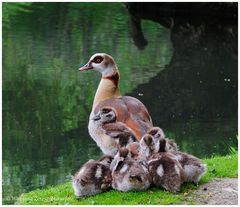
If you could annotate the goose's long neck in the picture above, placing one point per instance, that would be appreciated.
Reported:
(107, 88)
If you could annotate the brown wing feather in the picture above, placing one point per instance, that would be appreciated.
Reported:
(131, 112)
(139, 119)
(136, 107)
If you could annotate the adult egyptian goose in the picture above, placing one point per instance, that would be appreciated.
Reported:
(129, 111)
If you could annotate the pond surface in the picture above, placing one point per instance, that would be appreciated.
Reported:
(46, 101)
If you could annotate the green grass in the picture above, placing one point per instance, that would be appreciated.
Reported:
(226, 166)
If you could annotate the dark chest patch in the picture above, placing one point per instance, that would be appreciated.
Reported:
(114, 78)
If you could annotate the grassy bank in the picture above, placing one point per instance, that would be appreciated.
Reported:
(226, 166)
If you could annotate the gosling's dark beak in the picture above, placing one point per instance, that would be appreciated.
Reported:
(88, 66)
(96, 117)
(136, 177)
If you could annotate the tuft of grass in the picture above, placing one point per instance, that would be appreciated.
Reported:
(63, 194)
(220, 167)
(226, 166)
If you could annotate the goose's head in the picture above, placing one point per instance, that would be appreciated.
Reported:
(101, 62)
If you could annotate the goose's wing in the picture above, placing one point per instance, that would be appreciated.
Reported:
(139, 119)
(129, 111)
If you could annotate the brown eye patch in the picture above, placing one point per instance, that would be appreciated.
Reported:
(97, 59)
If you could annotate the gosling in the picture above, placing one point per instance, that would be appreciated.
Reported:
(129, 174)
(166, 171)
(162, 144)
(105, 119)
(148, 146)
(93, 177)
(193, 168)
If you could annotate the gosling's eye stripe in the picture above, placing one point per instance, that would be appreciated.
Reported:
(97, 59)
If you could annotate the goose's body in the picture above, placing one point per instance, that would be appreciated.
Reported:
(132, 117)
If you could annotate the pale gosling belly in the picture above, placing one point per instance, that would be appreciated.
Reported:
(108, 145)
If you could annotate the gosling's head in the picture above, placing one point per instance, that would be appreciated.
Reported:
(148, 145)
(156, 132)
(167, 145)
(105, 115)
(171, 146)
(129, 174)
(106, 160)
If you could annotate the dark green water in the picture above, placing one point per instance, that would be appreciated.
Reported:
(46, 101)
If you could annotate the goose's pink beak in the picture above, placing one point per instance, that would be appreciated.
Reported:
(88, 66)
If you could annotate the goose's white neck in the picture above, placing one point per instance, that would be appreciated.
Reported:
(107, 88)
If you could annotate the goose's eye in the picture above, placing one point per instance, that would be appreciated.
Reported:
(98, 59)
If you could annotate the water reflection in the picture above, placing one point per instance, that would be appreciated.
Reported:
(197, 91)
(46, 102)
